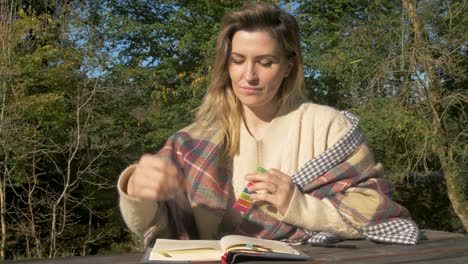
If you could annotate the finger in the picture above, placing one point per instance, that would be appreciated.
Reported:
(259, 186)
(280, 176)
(154, 162)
(159, 192)
(157, 187)
(147, 160)
(172, 189)
(147, 193)
(146, 179)
(156, 175)
(260, 177)
(283, 181)
(167, 168)
(266, 197)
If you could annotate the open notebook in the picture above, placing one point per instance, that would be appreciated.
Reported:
(237, 247)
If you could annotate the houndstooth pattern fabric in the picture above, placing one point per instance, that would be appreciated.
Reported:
(323, 238)
(315, 238)
(401, 231)
(337, 153)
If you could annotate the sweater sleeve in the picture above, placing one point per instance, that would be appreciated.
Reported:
(319, 215)
(140, 214)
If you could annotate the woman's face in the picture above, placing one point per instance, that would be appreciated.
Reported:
(257, 67)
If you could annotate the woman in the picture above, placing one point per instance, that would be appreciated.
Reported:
(322, 184)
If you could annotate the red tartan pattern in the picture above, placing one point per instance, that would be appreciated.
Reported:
(260, 224)
(198, 159)
(208, 186)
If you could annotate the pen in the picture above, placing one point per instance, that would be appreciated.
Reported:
(335, 246)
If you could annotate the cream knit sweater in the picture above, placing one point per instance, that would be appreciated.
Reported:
(293, 138)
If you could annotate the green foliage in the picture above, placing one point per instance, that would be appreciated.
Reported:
(165, 51)
(343, 41)
(48, 147)
(125, 75)
(395, 134)
(399, 139)
(427, 203)
(408, 90)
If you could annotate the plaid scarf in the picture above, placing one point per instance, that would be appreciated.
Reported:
(345, 174)
(346, 171)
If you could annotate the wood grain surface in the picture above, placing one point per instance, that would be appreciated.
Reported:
(439, 247)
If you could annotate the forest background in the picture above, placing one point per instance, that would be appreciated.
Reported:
(87, 86)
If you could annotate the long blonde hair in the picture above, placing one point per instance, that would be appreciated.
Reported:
(220, 108)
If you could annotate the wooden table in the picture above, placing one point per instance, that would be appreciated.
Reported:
(440, 247)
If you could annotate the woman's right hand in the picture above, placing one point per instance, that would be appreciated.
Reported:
(155, 179)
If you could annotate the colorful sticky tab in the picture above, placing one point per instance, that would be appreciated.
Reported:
(244, 202)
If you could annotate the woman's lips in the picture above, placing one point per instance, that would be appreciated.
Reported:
(250, 89)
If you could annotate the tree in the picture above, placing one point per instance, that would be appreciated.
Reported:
(7, 32)
(436, 58)
(162, 53)
(408, 58)
(87, 86)
(51, 159)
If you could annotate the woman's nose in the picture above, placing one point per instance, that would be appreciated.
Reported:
(250, 72)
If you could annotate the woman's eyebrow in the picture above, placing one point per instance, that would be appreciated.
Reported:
(237, 54)
(269, 56)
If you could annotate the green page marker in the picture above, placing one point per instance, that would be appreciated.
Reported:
(261, 170)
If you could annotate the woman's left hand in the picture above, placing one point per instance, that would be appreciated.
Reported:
(277, 188)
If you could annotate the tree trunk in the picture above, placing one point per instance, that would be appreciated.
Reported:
(53, 233)
(3, 214)
(3, 181)
(444, 152)
(31, 205)
(454, 190)
(7, 16)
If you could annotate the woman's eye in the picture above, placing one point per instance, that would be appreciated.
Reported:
(266, 63)
(236, 61)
